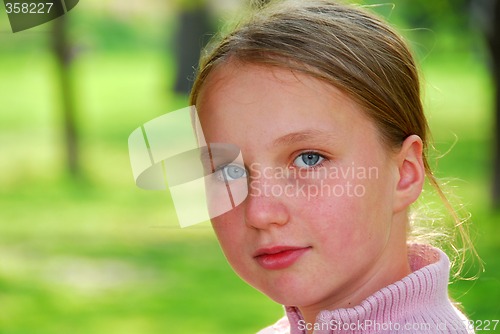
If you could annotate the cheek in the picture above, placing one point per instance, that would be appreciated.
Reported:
(339, 223)
(373, 215)
(360, 215)
(229, 229)
(225, 228)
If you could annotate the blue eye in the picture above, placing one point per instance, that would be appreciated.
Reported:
(231, 173)
(308, 160)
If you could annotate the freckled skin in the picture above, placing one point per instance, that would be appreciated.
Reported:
(357, 243)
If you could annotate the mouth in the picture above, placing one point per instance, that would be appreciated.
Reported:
(279, 257)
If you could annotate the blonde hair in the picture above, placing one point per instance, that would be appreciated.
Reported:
(347, 47)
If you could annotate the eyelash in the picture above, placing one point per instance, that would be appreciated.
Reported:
(324, 159)
(220, 170)
(223, 175)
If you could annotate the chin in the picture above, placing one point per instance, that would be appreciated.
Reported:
(289, 295)
(293, 299)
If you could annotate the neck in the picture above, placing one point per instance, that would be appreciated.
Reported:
(389, 267)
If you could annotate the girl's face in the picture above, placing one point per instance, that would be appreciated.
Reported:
(320, 223)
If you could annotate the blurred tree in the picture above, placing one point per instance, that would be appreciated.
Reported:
(192, 34)
(62, 51)
(194, 30)
(486, 14)
(433, 14)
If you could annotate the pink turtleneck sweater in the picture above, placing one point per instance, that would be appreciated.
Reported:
(418, 303)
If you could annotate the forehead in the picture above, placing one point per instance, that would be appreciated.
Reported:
(234, 76)
(257, 101)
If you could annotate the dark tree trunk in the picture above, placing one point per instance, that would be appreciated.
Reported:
(486, 16)
(192, 34)
(62, 51)
(494, 44)
(496, 144)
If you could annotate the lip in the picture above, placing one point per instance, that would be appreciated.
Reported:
(279, 257)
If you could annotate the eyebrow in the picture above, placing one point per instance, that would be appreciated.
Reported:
(302, 136)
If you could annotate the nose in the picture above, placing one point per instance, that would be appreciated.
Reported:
(264, 208)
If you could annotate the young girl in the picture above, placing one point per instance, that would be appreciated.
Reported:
(323, 100)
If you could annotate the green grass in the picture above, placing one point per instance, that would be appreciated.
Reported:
(100, 256)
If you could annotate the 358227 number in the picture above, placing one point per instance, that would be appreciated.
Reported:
(29, 8)
(482, 325)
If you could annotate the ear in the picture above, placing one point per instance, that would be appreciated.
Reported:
(411, 173)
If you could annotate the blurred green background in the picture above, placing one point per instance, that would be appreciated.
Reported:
(94, 254)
